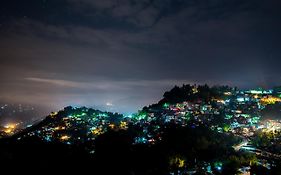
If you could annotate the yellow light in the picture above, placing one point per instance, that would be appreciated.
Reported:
(270, 100)
(123, 125)
(221, 101)
(53, 114)
(181, 163)
(177, 161)
(238, 111)
(194, 90)
(10, 126)
(272, 126)
(56, 128)
(8, 131)
(97, 131)
(111, 126)
(227, 93)
(59, 128)
(65, 137)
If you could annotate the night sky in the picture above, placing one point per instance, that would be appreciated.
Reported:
(120, 55)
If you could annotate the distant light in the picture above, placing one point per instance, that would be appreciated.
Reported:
(108, 104)
(166, 105)
(65, 137)
(111, 126)
(123, 125)
(8, 131)
(240, 99)
(256, 91)
(10, 126)
(227, 93)
(218, 166)
(97, 131)
(270, 100)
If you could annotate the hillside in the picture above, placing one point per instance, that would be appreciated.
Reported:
(202, 129)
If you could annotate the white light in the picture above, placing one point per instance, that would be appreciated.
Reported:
(108, 104)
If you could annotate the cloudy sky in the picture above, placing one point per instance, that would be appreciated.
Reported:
(120, 55)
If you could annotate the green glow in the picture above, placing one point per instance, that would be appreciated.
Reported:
(166, 105)
(187, 116)
(140, 115)
(226, 127)
(228, 117)
(79, 115)
(218, 165)
(255, 119)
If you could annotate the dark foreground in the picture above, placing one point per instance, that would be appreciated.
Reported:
(115, 154)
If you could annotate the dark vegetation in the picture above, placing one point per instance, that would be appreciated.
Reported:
(116, 153)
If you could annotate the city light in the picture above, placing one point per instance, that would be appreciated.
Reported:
(10, 128)
(65, 137)
(238, 114)
(270, 100)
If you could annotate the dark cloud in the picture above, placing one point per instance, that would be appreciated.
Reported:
(128, 52)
